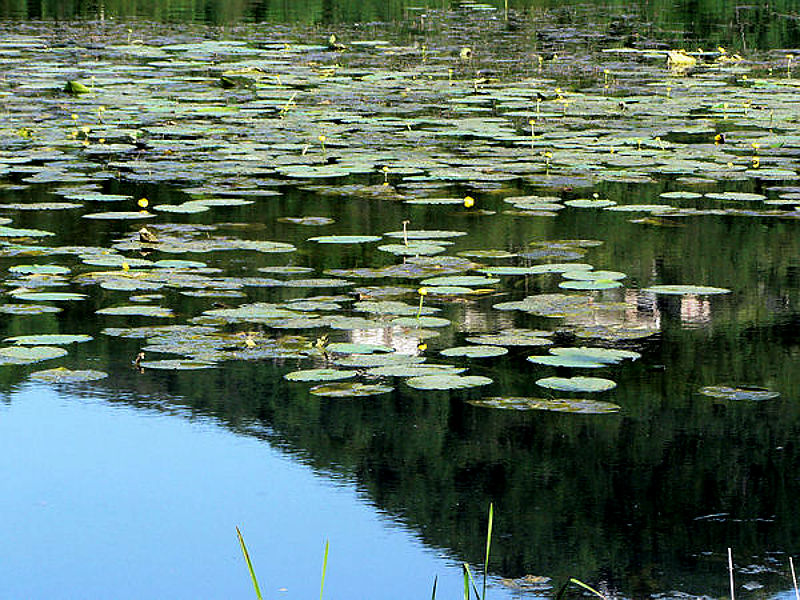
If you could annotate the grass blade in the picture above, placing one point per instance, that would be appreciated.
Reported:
(730, 570)
(435, 581)
(471, 580)
(488, 546)
(586, 586)
(249, 565)
(324, 569)
(794, 579)
(465, 568)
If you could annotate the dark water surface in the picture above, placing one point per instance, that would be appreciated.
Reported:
(131, 486)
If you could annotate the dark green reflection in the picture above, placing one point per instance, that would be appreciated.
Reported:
(772, 24)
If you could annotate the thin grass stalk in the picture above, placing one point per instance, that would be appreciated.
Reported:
(465, 568)
(324, 569)
(435, 581)
(586, 586)
(488, 546)
(730, 570)
(472, 582)
(249, 565)
(794, 580)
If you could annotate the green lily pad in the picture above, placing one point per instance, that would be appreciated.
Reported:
(482, 351)
(28, 309)
(48, 296)
(577, 384)
(12, 232)
(378, 360)
(576, 406)
(460, 280)
(177, 365)
(447, 382)
(345, 239)
(307, 221)
(120, 215)
(24, 355)
(600, 284)
(726, 392)
(48, 339)
(137, 311)
(350, 390)
(513, 337)
(686, 289)
(320, 375)
(424, 234)
(586, 275)
(39, 269)
(64, 375)
(350, 348)
(414, 370)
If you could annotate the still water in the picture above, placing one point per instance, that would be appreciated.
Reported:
(132, 485)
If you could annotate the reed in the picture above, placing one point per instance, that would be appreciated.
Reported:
(250, 564)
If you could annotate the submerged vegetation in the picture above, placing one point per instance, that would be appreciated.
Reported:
(432, 233)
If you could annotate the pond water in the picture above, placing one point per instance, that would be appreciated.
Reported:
(231, 255)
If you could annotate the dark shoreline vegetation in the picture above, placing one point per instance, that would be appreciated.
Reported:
(632, 221)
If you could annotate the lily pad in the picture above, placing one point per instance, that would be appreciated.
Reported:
(576, 406)
(345, 239)
(726, 392)
(48, 296)
(64, 375)
(482, 351)
(23, 355)
(350, 390)
(699, 290)
(320, 375)
(177, 365)
(447, 382)
(137, 311)
(577, 384)
(48, 339)
(414, 370)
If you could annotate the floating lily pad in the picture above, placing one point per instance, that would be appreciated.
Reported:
(28, 309)
(414, 370)
(345, 239)
(686, 289)
(513, 337)
(177, 365)
(137, 311)
(378, 360)
(587, 275)
(64, 375)
(120, 215)
(577, 384)
(460, 280)
(12, 232)
(577, 406)
(447, 382)
(590, 285)
(350, 390)
(725, 392)
(23, 355)
(48, 339)
(350, 348)
(482, 351)
(48, 296)
(320, 375)
(307, 221)
(39, 269)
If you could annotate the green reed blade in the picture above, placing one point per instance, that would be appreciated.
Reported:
(324, 569)
(586, 586)
(488, 546)
(249, 565)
